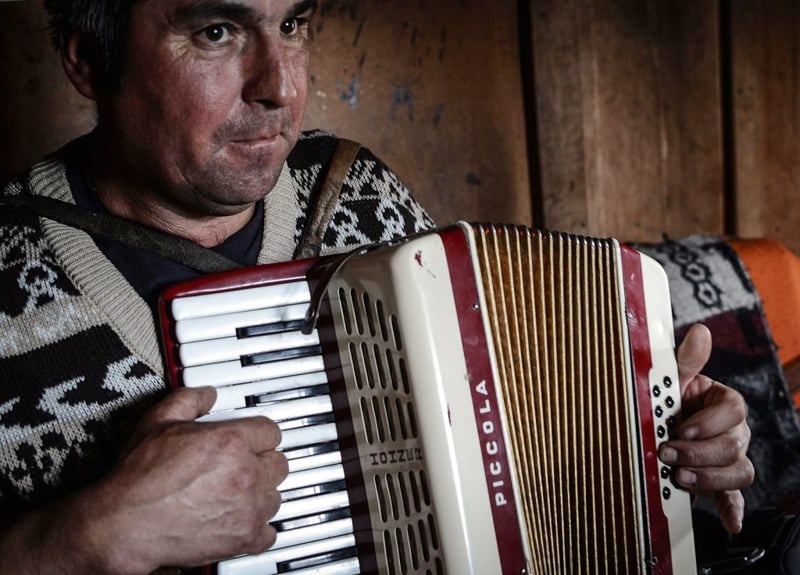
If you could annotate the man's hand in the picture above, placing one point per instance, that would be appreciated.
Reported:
(183, 493)
(709, 447)
(188, 493)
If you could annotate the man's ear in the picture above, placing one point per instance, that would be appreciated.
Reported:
(81, 60)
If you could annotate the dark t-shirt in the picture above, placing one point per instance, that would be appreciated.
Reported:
(147, 272)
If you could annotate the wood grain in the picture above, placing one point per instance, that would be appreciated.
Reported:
(766, 100)
(434, 89)
(629, 116)
(39, 108)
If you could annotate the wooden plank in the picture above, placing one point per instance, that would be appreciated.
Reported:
(434, 89)
(560, 100)
(628, 108)
(39, 108)
(765, 77)
(688, 74)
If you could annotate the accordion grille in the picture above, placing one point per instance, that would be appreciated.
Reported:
(556, 314)
(395, 480)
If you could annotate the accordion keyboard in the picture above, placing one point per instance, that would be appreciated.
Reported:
(464, 368)
(248, 344)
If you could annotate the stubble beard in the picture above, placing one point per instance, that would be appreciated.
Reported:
(234, 179)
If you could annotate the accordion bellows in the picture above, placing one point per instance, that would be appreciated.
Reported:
(475, 400)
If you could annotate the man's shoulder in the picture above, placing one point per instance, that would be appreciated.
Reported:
(41, 177)
(46, 177)
(12, 213)
(313, 148)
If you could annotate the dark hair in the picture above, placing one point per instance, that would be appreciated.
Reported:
(105, 20)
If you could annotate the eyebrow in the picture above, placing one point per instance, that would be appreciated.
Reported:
(236, 11)
(302, 7)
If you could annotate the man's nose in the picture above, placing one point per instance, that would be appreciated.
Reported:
(270, 72)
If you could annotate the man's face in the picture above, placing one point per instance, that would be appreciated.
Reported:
(211, 103)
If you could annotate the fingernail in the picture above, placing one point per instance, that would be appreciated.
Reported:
(686, 477)
(668, 455)
(689, 433)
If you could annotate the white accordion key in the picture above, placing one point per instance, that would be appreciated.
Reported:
(233, 348)
(307, 477)
(277, 411)
(304, 535)
(292, 438)
(267, 563)
(233, 372)
(235, 301)
(344, 567)
(312, 505)
(227, 325)
(235, 396)
(313, 461)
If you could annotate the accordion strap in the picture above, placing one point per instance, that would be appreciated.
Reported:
(324, 203)
(185, 251)
(134, 234)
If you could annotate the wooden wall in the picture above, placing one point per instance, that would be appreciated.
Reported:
(628, 107)
(629, 118)
(765, 102)
(435, 89)
(39, 109)
(668, 117)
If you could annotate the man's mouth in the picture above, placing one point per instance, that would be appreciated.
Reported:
(255, 138)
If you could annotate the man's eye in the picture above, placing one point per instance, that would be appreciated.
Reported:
(292, 26)
(216, 33)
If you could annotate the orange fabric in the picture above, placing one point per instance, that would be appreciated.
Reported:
(792, 373)
(775, 271)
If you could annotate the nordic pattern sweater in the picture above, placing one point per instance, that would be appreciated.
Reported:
(79, 350)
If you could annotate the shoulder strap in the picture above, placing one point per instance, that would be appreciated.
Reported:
(324, 203)
(165, 245)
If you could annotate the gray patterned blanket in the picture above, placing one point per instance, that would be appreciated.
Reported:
(709, 284)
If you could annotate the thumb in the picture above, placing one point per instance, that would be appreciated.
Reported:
(182, 404)
(693, 353)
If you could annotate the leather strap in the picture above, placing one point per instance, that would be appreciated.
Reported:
(324, 204)
(165, 245)
(185, 251)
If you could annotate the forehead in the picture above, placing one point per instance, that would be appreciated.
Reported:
(173, 10)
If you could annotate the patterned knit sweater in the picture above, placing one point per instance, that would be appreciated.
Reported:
(79, 351)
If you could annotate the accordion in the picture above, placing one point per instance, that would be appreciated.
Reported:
(478, 399)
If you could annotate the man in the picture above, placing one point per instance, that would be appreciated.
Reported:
(199, 106)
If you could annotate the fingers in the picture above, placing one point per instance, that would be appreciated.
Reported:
(255, 500)
(261, 536)
(216, 481)
(709, 449)
(702, 480)
(730, 506)
(693, 352)
(187, 404)
(713, 462)
(264, 434)
(718, 450)
(714, 411)
(182, 404)
(277, 468)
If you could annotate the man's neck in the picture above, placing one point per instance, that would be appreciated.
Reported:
(134, 200)
(207, 231)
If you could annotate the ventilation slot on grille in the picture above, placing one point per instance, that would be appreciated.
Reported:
(379, 369)
(385, 425)
(410, 538)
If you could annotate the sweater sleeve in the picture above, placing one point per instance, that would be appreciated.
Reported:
(374, 204)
